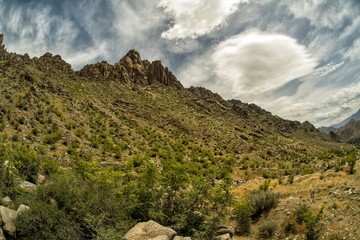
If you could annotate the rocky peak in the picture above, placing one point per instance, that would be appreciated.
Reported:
(131, 69)
(55, 62)
(132, 57)
(308, 127)
(157, 72)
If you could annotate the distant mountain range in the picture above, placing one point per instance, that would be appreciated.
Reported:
(355, 116)
(348, 130)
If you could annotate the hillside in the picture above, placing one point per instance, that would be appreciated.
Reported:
(355, 116)
(350, 132)
(147, 146)
(104, 108)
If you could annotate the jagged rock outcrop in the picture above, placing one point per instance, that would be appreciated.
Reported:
(308, 127)
(131, 69)
(50, 62)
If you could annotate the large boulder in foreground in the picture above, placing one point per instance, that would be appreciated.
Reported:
(8, 218)
(150, 231)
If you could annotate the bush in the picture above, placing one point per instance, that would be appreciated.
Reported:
(242, 214)
(44, 221)
(351, 161)
(26, 161)
(262, 202)
(267, 229)
(303, 214)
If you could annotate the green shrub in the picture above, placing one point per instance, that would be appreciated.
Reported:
(242, 213)
(303, 214)
(52, 138)
(26, 161)
(351, 161)
(44, 221)
(267, 229)
(262, 202)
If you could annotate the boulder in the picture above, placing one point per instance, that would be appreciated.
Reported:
(27, 186)
(7, 201)
(40, 179)
(149, 230)
(8, 217)
(22, 208)
(2, 237)
(224, 230)
(223, 237)
(182, 238)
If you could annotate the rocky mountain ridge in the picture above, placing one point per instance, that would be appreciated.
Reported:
(135, 145)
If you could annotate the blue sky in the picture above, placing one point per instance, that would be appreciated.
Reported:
(297, 59)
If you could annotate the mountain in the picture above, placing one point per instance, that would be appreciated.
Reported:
(350, 132)
(126, 142)
(103, 108)
(355, 116)
(327, 130)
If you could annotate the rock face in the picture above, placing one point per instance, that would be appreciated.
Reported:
(55, 63)
(150, 231)
(350, 132)
(131, 69)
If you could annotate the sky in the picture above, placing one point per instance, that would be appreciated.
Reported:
(296, 59)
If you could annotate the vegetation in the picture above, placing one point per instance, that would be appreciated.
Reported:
(145, 151)
(251, 207)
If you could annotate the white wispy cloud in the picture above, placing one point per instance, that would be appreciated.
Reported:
(27, 23)
(193, 18)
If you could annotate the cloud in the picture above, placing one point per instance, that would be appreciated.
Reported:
(323, 13)
(194, 18)
(254, 61)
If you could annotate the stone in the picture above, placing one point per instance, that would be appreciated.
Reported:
(223, 237)
(40, 179)
(2, 237)
(224, 230)
(22, 208)
(7, 201)
(182, 238)
(149, 230)
(8, 217)
(27, 186)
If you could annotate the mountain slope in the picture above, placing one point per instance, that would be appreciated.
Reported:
(350, 132)
(127, 142)
(114, 111)
(355, 116)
